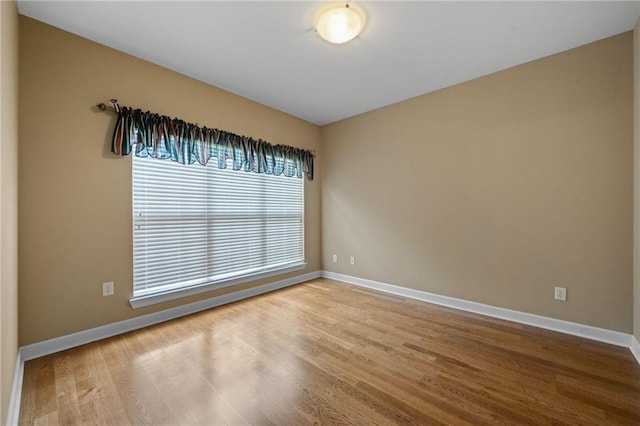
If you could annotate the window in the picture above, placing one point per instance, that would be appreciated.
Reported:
(197, 228)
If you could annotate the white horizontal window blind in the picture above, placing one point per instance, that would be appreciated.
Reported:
(196, 225)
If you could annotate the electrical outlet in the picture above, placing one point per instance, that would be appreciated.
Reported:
(352, 260)
(108, 288)
(335, 258)
(561, 294)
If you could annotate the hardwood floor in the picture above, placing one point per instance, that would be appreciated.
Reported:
(329, 353)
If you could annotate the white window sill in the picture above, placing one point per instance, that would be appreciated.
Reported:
(152, 299)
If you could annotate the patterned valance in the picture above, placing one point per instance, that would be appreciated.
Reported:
(152, 135)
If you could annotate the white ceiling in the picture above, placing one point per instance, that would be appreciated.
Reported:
(268, 52)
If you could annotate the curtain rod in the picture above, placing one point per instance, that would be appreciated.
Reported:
(114, 107)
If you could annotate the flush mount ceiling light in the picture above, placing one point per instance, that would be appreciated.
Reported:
(339, 22)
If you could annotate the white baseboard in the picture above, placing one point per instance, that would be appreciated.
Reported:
(13, 414)
(57, 344)
(581, 330)
(635, 348)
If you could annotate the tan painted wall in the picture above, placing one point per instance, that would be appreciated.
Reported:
(636, 180)
(8, 200)
(495, 190)
(75, 197)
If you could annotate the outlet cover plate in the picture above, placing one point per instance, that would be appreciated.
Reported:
(561, 294)
(108, 288)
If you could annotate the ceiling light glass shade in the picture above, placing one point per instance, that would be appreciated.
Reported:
(339, 23)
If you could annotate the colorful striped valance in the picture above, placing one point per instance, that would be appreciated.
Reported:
(159, 136)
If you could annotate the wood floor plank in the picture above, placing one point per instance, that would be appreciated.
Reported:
(65, 387)
(189, 376)
(108, 407)
(329, 353)
(42, 397)
(50, 419)
(29, 388)
(143, 403)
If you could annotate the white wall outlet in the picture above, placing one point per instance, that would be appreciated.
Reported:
(108, 288)
(352, 260)
(335, 258)
(561, 294)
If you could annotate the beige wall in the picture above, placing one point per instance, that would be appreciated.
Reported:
(509, 184)
(497, 189)
(8, 199)
(75, 197)
(636, 180)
